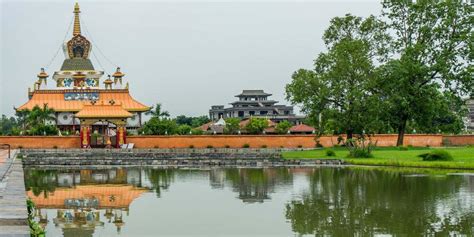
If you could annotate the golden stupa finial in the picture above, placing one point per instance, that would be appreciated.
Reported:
(77, 23)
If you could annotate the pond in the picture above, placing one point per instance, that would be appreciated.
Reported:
(322, 201)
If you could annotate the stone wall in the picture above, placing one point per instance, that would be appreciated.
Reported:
(233, 141)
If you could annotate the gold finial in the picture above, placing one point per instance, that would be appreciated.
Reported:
(42, 76)
(77, 23)
(118, 76)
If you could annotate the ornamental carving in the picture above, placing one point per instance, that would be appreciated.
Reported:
(78, 47)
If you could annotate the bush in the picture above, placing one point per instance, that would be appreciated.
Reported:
(330, 153)
(209, 146)
(318, 144)
(246, 145)
(403, 148)
(55, 147)
(359, 153)
(264, 146)
(191, 146)
(227, 146)
(300, 146)
(436, 155)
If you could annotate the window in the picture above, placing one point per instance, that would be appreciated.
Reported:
(252, 112)
(241, 113)
(263, 112)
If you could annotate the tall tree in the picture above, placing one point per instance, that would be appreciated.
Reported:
(337, 91)
(157, 112)
(432, 51)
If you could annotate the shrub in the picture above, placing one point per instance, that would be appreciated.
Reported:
(410, 146)
(209, 146)
(55, 147)
(330, 153)
(156, 147)
(20, 147)
(246, 145)
(264, 146)
(300, 146)
(403, 148)
(318, 144)
(227, 146)
(191, 146)
(436, 155)
(359, 153)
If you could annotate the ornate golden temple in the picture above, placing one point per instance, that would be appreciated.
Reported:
(102, 116)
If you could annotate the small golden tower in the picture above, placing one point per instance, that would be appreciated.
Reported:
(108, 83)
(118, 76)
(42, 76)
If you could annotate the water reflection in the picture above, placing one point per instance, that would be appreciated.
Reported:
(306, 201)
(347, 202)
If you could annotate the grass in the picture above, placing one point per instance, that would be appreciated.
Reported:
(463, 157)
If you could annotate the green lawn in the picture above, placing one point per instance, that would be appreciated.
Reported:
(463, 157)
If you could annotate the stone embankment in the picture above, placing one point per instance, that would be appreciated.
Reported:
(165, 157)
(13, 211)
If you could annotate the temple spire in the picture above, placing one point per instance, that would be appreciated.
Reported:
(77, 23)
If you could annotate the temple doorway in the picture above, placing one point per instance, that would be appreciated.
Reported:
(104, 134)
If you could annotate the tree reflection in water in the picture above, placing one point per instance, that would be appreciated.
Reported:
(255, 185)
(352, 202)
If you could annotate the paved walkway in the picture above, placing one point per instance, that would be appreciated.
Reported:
(13, 213)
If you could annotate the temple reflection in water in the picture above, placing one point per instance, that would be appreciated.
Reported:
(90, 198)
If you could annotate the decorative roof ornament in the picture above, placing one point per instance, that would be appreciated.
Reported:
(118, 76)
(78, 46)
(108, 83)
(42, 76)
(77, 22)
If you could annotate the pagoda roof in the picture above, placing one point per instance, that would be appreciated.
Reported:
(77, 64)
(56, 100)
(253, 93)
(124, 195)
(254, 102)
(302, 128)
(103, 111)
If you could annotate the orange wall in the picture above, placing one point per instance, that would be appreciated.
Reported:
(41, 141)
(460, 140)
(287, 141)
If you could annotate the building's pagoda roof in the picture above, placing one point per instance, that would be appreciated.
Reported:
(254, 102)
(252, 93)
(56, 99)
(103, 111)
(123, 195)
(302, 128)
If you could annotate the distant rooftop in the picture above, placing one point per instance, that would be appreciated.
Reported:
(253, 93)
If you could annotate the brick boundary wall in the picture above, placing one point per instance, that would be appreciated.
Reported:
(458, 140)
(235, 141)
(35, 142)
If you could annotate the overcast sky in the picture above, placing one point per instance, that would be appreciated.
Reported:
(187, 55)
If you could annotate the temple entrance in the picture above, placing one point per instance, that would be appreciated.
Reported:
(103, 126)
(104, 134)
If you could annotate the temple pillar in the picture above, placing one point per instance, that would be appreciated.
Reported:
(121, 135)
(85, 136)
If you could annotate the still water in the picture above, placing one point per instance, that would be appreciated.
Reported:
(251, 202)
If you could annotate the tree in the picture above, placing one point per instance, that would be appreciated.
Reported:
(7, 125)
(232, 126)
(41, 115)
(156, 126)
(184, 129)
(432, 51)
(338, 89)
(157, 112)
(256, 125)
(192, 121)
(283, 127)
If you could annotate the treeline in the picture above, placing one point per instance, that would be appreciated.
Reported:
(38, 121)
(409, 69)
(160, 123)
